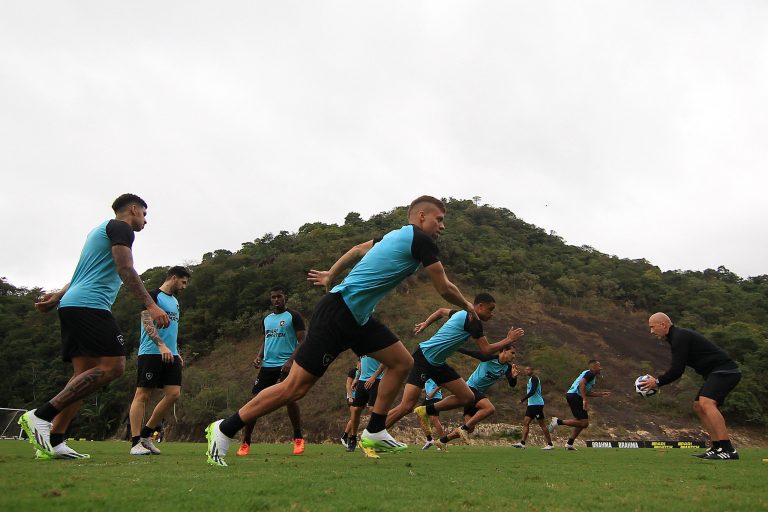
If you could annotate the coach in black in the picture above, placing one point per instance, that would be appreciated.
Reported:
(721, 374)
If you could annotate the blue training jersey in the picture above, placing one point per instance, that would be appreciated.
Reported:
(280, 337)
(429, 386)
(353, 374)
(387, 264)
(487, 374)
(96, 282)
(170, 334)
(591, 379)
(451, 335)
(368, 366)
(536, 398)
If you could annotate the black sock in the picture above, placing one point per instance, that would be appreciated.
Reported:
(352, 441)
(230, 426)
(725, 444)
(57, 439)
(297, 434)
(715, 445)
(377, 423)
(522, 443)
(570, 441)
(135, 440)
(464, 427)
(444, 439)
(429, 437)
(559, 421)
(146, 431)
(431, 410)
(550, 443)
(46, 412)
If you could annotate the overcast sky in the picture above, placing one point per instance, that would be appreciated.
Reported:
(638, 128)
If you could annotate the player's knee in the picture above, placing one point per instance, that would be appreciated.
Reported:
(491, 410)
(115, 369)
(296, 390)
(584, 423)
(402, 365)
(467, 399)
(174, 395)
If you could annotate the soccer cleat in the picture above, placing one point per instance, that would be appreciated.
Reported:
(518, 445)
(570, 447)
(39, 455)
(343, 441)
(421, 412)
(550, 447)
(368, 452)
(218, 444)
(140, 449)
(721, 454)
(463, 434)
(147, 443)
(381, 442)
(62, 451)
(552, 424)
(428, 445)
(351, 445)
(298, 446)
(704, 455)
(38, 431)
(443, 447)
(244, 449)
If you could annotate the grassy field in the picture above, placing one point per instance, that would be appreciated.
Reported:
(328, 478)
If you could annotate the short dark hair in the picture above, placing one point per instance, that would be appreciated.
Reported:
(278, 288)
(178, 271)
(484, 298)
(427, 199)
(593, 361)
(126, 200)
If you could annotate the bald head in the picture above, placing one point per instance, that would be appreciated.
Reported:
(659, 324)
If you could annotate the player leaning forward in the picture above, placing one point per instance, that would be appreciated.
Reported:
(342, 320)
(720, 372)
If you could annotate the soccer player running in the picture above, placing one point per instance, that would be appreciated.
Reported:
(577, 396)
(159, 363)
(342, 320)
(283, 334)
(535, 409)
(490, 370)
(91, 339)
(433, 394)
(350, 383)
(430, 356)
(721, 374)
(366, 390)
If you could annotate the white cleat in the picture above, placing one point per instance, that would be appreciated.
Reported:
(62, 451)
(218, 444)
(381, 441)
(519, 445)
(570, 447)
(552, 424)
(38, 431)
(140, 450)
(147, 443)
(548, 447)
(428, 445)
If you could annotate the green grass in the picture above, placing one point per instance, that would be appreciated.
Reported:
(328, 478)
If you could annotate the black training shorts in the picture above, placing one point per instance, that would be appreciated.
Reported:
(535, 411)
(152, 372)
(471, 410)
(89, 332)
(718, 385)
(577, 406)
(423, 370)
(333, 330)
(268, 376)
(365, 396)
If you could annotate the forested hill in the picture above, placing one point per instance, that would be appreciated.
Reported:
(572, 301)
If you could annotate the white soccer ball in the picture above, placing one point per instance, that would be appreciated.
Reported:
(643, 392)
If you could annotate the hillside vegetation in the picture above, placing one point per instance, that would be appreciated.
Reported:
(575, 303)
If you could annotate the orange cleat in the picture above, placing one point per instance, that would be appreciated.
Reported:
(244, 449)
(298, 446)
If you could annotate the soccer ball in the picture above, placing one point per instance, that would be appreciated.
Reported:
(643, 392)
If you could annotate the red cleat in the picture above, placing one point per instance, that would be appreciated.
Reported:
(298, 446)
(244, 449)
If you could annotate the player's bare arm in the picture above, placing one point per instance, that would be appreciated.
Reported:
(439, 313)
(123, 258)
(151, 330)
(326, 278)
(448, 290)
(50, 300)
(486, 348)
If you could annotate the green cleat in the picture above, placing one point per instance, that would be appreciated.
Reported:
(38, 432)
(380, 442)
(218, 444)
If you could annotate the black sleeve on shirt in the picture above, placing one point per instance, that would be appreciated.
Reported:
(534, 385)
(476, 354)
(298, 321)
(423, 248)
(589, 376)
(120, 233)
(351, 374)
(680, 344)
(154, 294)
(473, 327)
(510, 379)
(377, 239)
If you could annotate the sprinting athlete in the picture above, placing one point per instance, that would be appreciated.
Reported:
(577, 400)
(429, 359)
(490, 370)
(158, 364)
(91, 339)
(283, 334)
(351, 382)
(432, 395)
(366, 390)
(535, 409)
(342, 320)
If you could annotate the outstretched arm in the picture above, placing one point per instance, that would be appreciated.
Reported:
(514, 334)
(123, 258)
(476, 354)
(447, 289)
(439, 313)
(326, 277)
(51, 299)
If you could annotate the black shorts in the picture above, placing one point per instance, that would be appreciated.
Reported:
(535, 411)
(471, 410)
(577, 406)
(152, 372)
(333, 330)
(268, 376)
(365, 396)
(718, 385)
(423, 370)
(89, 332)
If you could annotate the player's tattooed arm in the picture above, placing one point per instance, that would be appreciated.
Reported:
(151, 330)
(123, 258)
